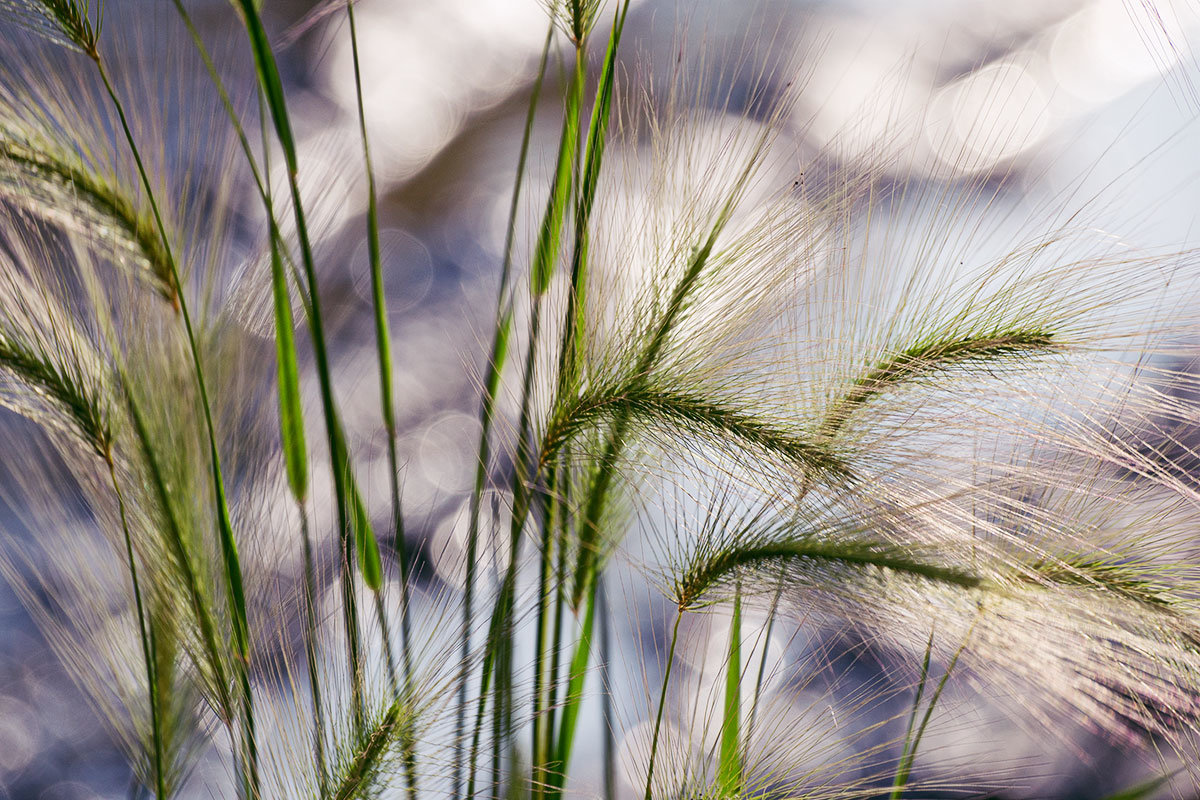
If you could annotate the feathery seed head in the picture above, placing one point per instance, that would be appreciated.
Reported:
(68, 22)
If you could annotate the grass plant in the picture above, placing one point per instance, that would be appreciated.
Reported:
(831, 405)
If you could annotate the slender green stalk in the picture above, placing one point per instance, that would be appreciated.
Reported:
(1145, 789)
(907, 752)
(541, 676)
(607, 716)
(146, 637)
(766, 648)
(563, 497)
(912, 742)
(173, 533)
(662, 704)
(499, 628)
(491, 385)
(261, 184)
(291, 425)
(497, 637)
(312, 658)
(229, 555)
(353, 524)
(589, 535)
(574, 320)
(525, 474)
(729, 766)
(383, 347)
(574, 698)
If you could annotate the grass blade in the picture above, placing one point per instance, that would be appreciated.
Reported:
(729, 764)
(908, 751)
(575, 320)
(491, 386)
(550, 232)
(1144, 790)
(574, 696)
(353, 523)
(913, 741)
(229, 554)
(291, 416)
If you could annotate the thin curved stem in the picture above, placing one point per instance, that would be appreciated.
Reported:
(662, 702)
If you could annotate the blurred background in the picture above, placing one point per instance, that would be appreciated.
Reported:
(1055, 101)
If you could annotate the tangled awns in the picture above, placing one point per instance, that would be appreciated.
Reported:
(598, 398)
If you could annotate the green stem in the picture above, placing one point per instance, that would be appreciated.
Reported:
(175, 541)
(233, 573)
(911, 742)
(563, 497)
(353, 525)
(762, 662)
(541, 707)
(574, 698)
(146, 635)
(383, 347)
(521, 488)
(310, 653)
(495, 366)
(730, 768)
(662, 703)
(256, 173)
(607, 717)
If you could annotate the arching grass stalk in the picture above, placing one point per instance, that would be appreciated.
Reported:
(589, 534)
(146, 638)
(291, 432)
(597, 498)
(291, 415)
(526, 474)
(383, 348)
(89, 419)
(173, 534)
(566, 176)
(356, 776)
(25, 158)
(291, 419)
(353, 523)
(585, 167)
(497, 357)
(74, 22)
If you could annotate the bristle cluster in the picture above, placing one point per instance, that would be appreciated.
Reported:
(836, 406)
(68, 22)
